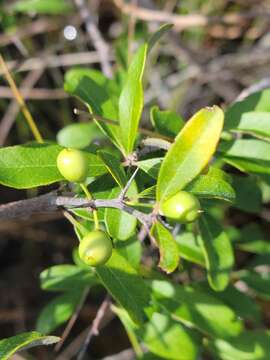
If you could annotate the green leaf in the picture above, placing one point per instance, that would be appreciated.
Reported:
(243, 305)
(78, 135)
(241, 148)
(248, 194)
(33, 164)
(43, 6)
(238, 154)
(114, 166)
(248, 165)
(150, 166)
(130, 328)
(255, 123)
(163, 336)
(29, 165)
(252, 239)
(11, 345)
(196, 308)
(259, 282)
(168, 339)
(189, 248)
(257, 102)
(168, 249)
(131, 100)
(250, 345)
(119, 224)
(125, 285)
(131, 250)
(63, 277)
(167, 123)
(214, 184)
(158, 34)
(190, 153)
(218, 252)
(148, 193)
(98, 93)
(58, 311)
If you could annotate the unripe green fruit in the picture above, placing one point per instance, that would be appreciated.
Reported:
(182, 206)
(95, 248)
(73, 165)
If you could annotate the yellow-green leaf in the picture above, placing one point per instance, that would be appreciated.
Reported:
(131, 100)
(168, 248)
(191, 151)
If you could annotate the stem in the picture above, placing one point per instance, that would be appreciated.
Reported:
(28, 117)
(116, 123)
(89, 197)
(73, 221)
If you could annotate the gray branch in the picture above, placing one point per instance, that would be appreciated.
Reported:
(52, 202)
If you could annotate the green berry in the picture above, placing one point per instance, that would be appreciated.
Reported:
(73, 165)
(95, 248)
(183, 207)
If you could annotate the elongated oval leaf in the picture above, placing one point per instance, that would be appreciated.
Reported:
(126, 286)
(114, 167)
(119, 224)
(197, 308)
(214, 184)
(167, 122)
(42, 6)
(255, 123)
(33, 164)
(131, 100)
(157, 35)
(78, 135)
(189, 248)
(257, 102)
(241, 303)
(99, 94)
(250, 345)
(169, 339)
(240, 148)
(190, 152)
(150, 166)
(10, 346)
(168, 249)
(248, 194)
(63, 277)
(217, 251)
(58, 311)
(163, 336)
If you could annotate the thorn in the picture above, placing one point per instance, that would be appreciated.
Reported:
(128, 184)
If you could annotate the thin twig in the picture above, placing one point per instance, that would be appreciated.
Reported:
(52, 61)
(131, 30)
(185, 21)
(127, 354)
(72, 320)
(34, 94)
(28, 117)
(259, 86)
(94, 329)
(128, 184)
(52, 202)
(33, 28)
(13, 108)
(99, 43)
(116, 123)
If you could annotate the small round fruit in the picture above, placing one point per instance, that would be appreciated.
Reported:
(73, 165)
(95, 248)
(182, 206)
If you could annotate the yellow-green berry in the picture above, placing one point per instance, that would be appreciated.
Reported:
(95, 248)
(73, 165)
(183, 207)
